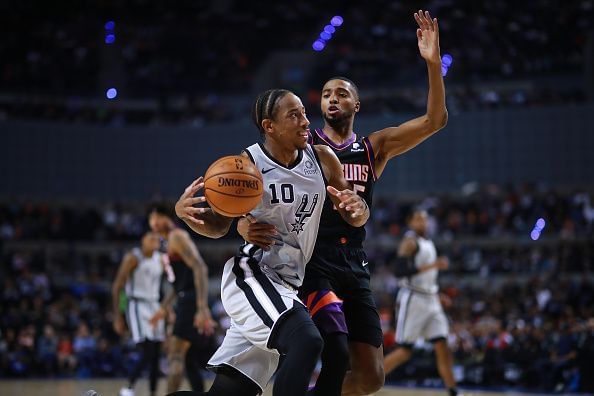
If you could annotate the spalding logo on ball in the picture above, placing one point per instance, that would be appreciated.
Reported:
(233, 186)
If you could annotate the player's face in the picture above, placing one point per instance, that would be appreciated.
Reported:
(290, 124)
(339, 101)
(158, 222)
(419, 223)
(150, 242)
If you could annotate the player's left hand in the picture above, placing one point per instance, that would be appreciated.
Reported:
(158, 316)
(428, 36)
(204, 322)
(350, 201)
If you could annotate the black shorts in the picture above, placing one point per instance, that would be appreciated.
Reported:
(343, 272)
(185, 310)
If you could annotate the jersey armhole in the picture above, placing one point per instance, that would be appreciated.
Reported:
(247, 151)
(315, 153)
(370, 156)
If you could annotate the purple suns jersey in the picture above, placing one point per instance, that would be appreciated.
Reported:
(357, 159)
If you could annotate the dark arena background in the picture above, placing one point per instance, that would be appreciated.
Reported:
(106, 106)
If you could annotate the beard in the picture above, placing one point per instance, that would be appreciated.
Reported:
(340, 121)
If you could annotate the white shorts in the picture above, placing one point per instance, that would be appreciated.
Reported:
(138, 314)
(419, 315)
(254, 303)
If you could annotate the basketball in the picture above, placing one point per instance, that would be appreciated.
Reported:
(233, 186)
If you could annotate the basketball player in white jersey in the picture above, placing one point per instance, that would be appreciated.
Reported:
(140, 275)
(259, 288)
(420, 314)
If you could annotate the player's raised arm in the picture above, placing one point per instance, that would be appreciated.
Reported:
(129, 262)
(390, 142)
(203, 221)
(353, 209)
(181, 243)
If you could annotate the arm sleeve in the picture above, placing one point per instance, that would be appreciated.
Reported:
(405, 267)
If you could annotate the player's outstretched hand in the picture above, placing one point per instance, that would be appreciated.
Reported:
(350, 201)
(428, 36)
(203, 322)
(184, 207)
(157, 317)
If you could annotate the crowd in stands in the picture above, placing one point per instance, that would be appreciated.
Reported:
(197, 52)
(521, 310)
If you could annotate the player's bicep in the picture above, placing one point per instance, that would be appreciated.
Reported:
(126, 267)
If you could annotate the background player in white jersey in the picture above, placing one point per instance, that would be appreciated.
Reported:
(259, 288)
(140, 275)
(190, 290)
(420, 314)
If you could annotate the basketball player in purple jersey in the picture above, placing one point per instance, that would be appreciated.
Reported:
(336, 286)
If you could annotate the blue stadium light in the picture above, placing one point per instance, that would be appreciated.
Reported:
(329, 29)
(540, 224)
(535, 235)
(325, 36)
(318, 45)
(336, 21)
(447, 60)
(111, 93)
(109, 38)
(109, 25)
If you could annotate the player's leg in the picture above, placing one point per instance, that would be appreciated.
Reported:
(365, 334)
(153, 352)
(178, 348)
(445, 364)
(142, 347)
(326, 311)
(228, 382)
(437, 332)
(194, 367)
(297, 337)
(397, 357)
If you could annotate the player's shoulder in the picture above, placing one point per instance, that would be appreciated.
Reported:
(178, 234)
(410, 234)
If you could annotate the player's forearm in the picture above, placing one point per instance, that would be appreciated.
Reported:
(437, 113)
(215, 225)
(115, 298)
(201, 283)
(168, 300)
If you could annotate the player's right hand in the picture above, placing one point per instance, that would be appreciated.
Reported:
(442, 263)
(157, 317)
(118, 325)
(184, 207)
(259, 234)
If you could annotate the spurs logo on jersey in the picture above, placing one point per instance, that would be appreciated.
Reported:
(303, 213)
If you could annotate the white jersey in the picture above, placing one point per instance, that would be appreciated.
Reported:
(293, 200)
(425, 282)
(145, 281)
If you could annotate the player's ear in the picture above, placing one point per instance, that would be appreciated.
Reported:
(267, 125)
(357, 106)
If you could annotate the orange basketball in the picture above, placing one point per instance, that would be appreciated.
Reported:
(233, 186)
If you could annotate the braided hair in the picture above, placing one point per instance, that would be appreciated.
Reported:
(265, 106)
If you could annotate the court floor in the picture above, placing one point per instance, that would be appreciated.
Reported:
(111, 387)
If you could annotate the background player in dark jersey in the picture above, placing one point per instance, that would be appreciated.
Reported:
(191, 289)
(336, 286)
